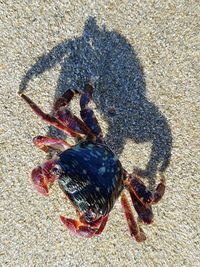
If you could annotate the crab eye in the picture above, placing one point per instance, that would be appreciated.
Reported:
(56, 170)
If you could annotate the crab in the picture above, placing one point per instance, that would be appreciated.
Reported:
(89, 173)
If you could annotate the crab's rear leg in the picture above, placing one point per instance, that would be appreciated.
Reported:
(87, 113)
(160, 189)
(84, 230)
(145, 196)
(134, 229)
(144, 211)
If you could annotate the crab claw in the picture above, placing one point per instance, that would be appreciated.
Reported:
(39, 182)
(75, 228)
(41, 176)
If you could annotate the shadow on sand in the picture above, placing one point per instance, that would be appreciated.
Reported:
(106, 57)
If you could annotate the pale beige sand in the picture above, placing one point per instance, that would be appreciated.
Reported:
(164, 36)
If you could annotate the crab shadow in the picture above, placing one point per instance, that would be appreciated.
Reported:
(107, 58)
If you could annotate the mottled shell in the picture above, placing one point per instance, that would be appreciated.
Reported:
(92, 177)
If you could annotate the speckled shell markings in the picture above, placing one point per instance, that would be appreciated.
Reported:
(92, 177)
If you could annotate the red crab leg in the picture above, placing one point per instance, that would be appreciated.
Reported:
(41, 176)
(134, 229)
(72, 121)
(102, 225)
(139, 189)
(144, 210)
(66, 117)
(160, 189)
(143, 194)
(88, 115)
(44, 142)
(83, 230)
(64, 99)
(48, 118)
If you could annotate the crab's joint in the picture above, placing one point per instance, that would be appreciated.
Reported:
(19, 93)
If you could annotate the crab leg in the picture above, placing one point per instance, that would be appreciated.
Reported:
(134, 229)
(66, 117)
(48, 118)
(160, 189)
(143, 194)
(72, 121)
(64, 99)
(44, 142)
(84, 230)
(88, 115)
(144, 210)
(102, 225)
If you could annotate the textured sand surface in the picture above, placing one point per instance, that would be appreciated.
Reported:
(144, 59)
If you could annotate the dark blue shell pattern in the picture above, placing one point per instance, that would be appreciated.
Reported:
(92, 177)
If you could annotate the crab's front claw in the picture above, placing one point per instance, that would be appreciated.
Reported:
(39, 181)
(76, 229)
(42, 176)
(83, 229)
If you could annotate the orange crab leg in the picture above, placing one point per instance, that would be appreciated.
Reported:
(62, 113)
(134, 229)
(140, 190)
(72, 121)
